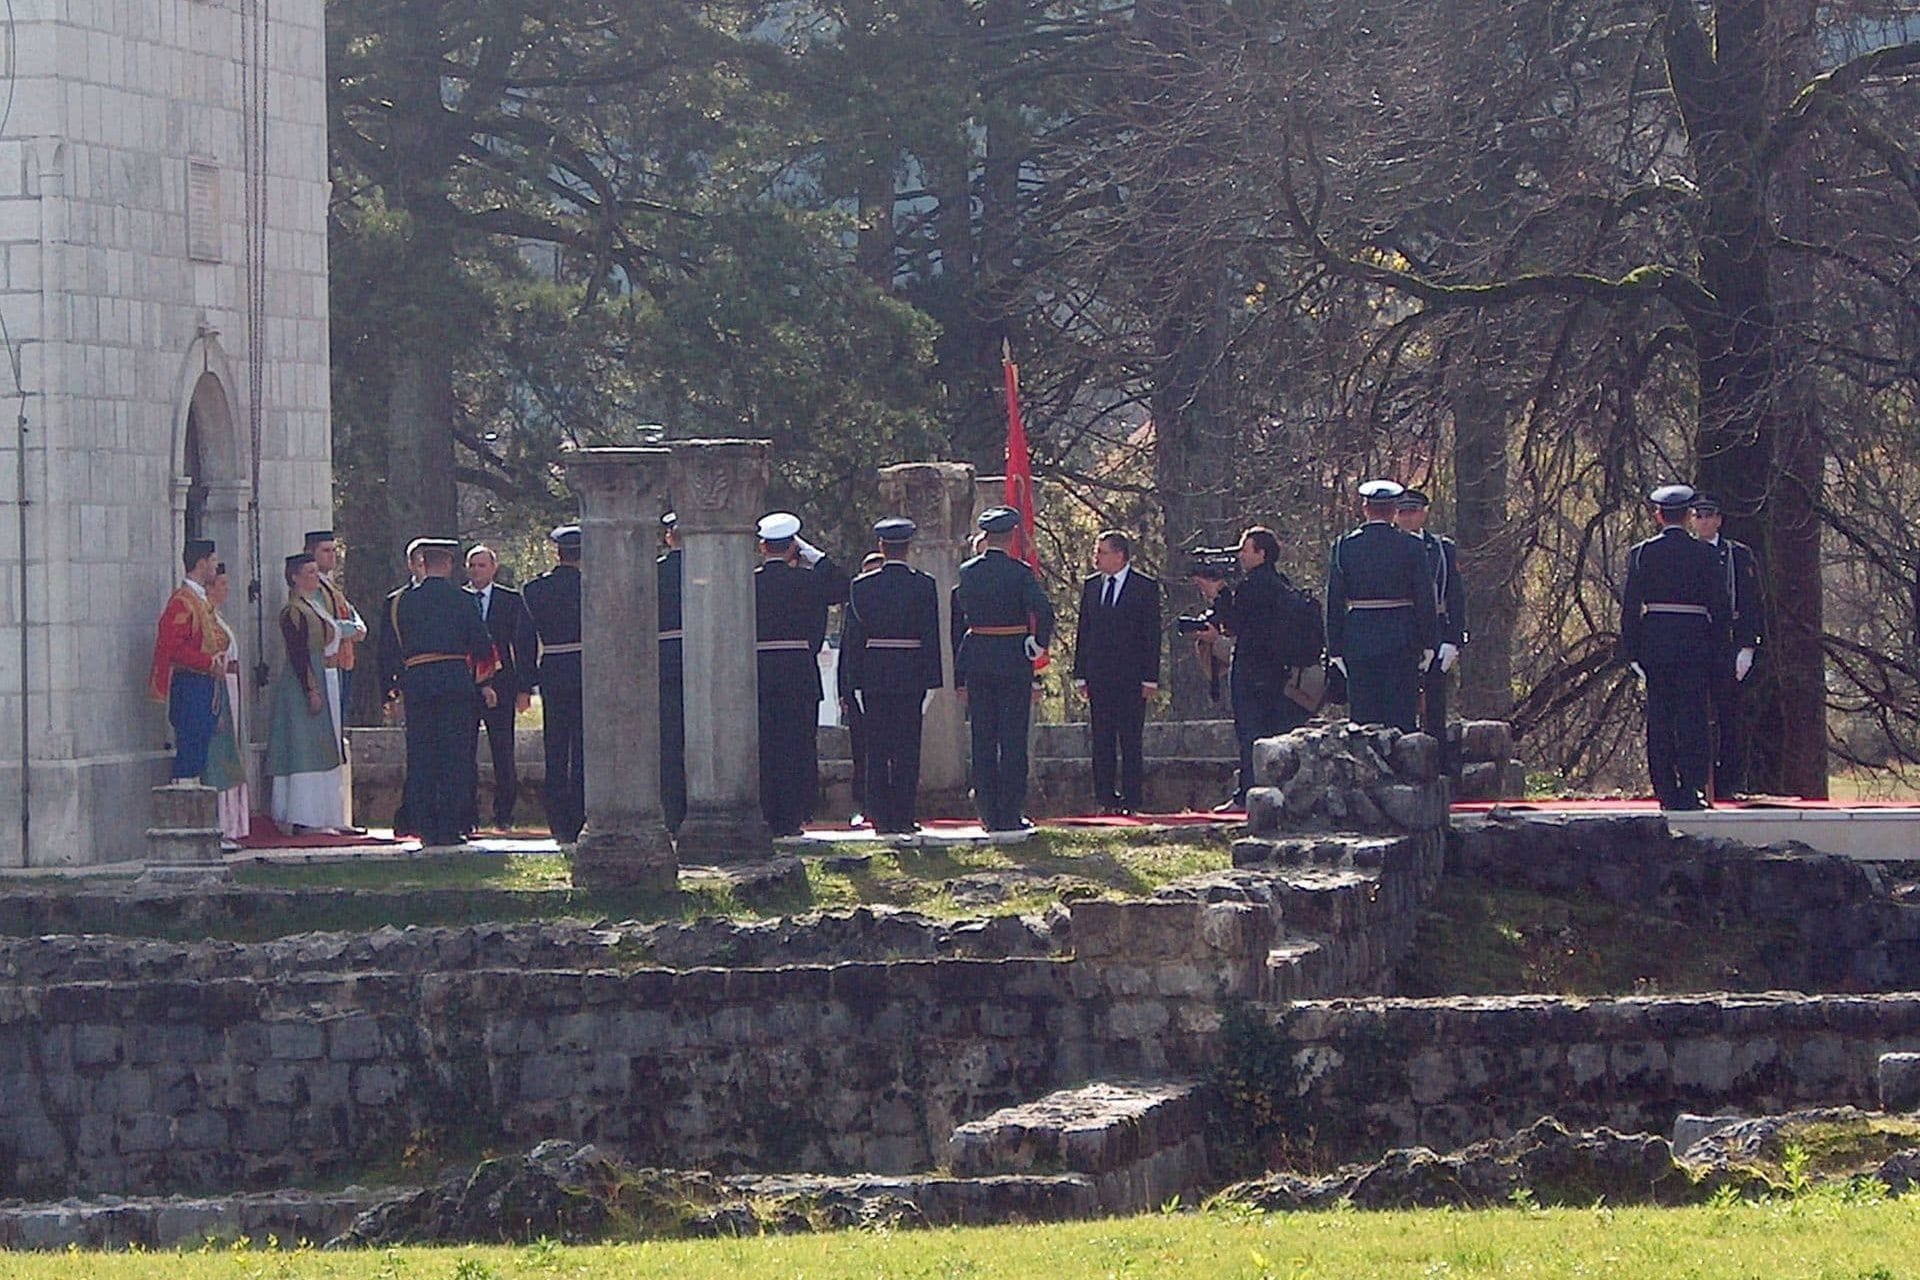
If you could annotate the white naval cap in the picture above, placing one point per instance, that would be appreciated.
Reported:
(779, 525)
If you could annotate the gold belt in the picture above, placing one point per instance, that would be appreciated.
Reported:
(998, 631)
(427, 659)
(780, 646)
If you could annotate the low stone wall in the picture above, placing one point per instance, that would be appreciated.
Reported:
(1374, 1074)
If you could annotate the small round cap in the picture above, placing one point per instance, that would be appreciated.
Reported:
(1380, 491)
(1705, 504)
(198, 549)
(1673, 497)
(1413, 500)
(567, 535)
(314, 537)
(779, 526)
(999, 520)
(297, 559)
(895, 529)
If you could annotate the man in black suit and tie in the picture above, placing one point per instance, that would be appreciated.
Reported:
(1116, 664)
(511, 627)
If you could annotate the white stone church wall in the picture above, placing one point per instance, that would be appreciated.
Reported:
(114, 323)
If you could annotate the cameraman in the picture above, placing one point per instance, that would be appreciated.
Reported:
(1251, 614)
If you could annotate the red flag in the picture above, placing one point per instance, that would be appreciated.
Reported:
(1019, 490)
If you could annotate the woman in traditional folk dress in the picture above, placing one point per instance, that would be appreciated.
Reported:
(226, 770)
(304, 755)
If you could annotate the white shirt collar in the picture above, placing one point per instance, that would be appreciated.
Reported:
(194, 587)
(1714, 541)
(1120, 580)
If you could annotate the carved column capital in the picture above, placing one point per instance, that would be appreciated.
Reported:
(936, 496)
(718, 485)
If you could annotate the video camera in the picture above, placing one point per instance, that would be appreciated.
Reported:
(1222, 564)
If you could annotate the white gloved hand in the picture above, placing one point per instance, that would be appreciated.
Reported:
(1338, 664)
(1079, 685)
(1742, 663)
(1638, 670)
(926, 700)
(1449, 654)
(808, 552)
(1426, 659)
(1033, 649)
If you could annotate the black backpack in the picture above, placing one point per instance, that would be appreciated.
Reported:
(1303, 627)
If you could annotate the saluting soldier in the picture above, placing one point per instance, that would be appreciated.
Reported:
(1673, 631)
(1382, 623)
(553, 601)
(669, 574)
(446, 659)
(890, 651)
(792, 589)
(1450, 599)
(1002, 624)
(1741, 569)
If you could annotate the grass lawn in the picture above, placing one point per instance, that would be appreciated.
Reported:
(1817, 1237)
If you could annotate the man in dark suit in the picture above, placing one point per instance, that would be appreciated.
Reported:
(508, 622)
(1450, 599)
(890, 652)
(1254, 614)
(446, 656)
(793, 588)
(553, 601)
(1382, 623)
(1741, 570)
(1116, 664)
(1674, 630)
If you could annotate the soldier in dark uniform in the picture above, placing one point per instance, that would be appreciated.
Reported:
(446, 656)
(1741, 570)
(851, 714)
(792, 589)
(1673, 632)
(1382, 625)
(553, 600)
(1002, 624)
(673, 715)
(890, 650)
(404, 822)
(1450, 598)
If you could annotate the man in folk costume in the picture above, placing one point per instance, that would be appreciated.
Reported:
(187, 651)
(325, 550)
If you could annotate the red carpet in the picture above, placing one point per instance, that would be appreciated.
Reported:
(266, 835)
(1646, 804)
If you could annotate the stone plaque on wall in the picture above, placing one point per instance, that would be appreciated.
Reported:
(203, 210)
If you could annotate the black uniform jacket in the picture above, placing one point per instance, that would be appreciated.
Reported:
(891, 639)
(553, 601)
(1675, 611)
(1379, 594)
(997, 591)
(790, 614)
(441, 637)
(668, 575)
(1449, 592)
(1741, 568)
(1118, 645)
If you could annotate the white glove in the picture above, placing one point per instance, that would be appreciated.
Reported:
(1426, 659)
(926, 700)
(1742, 663)
(1449, 654)
(1079, 685)
(1338, 664)
(1638, 670)
(1033, 649)
(859, 701)
(808, 552)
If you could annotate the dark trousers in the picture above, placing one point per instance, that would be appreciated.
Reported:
(856, 722)
(1385, 689)
(190, 712)
(565, 791)
(673, 740)
(498, 723)
(1729, 734)
(440, 755)
(1678, 747)
(1260, 710)
(892, 731)
(789, 755)
(998, 708)
(1117, 720)
(1433, 713)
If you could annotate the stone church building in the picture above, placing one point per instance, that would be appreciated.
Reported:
(163, 283)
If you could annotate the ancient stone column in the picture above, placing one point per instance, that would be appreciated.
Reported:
(719, 489)
(939, 498)
(625, 844)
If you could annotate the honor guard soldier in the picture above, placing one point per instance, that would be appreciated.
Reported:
(1673, 632)
(1001, 625)
(446, 657)
(1741, 570)
(673, 715)
(1450, 600)
(553, 600)
(1382, 625)
(890, 651)
(792, 589)
(390, 668)
(850, 713)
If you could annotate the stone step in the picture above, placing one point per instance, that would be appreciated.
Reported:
(167, 1222)
(1141, 1143)
(1296, 970)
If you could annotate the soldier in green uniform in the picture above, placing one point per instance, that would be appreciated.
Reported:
(1001, 625)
